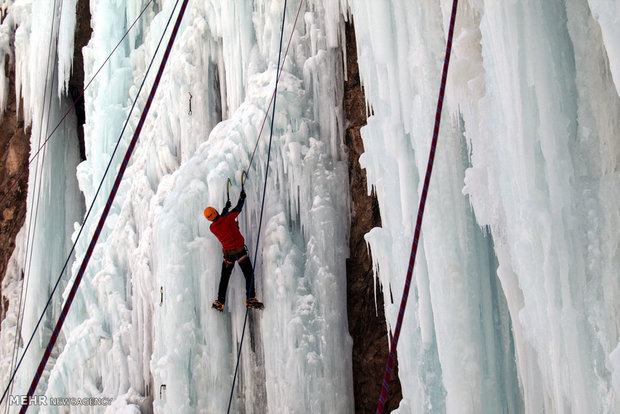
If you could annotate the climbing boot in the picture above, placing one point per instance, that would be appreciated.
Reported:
(253, 303)
(218, 306)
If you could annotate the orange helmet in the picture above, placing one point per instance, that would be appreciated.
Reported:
(210, 213)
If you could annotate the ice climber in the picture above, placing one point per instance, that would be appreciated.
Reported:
(225, 227)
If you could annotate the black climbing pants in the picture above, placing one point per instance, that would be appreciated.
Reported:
(227, 267)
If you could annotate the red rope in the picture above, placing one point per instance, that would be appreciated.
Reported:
(104, 215)
(414, 247)
(36, 154)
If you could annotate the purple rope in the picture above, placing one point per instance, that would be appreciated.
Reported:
(416, 237)
(104, 215)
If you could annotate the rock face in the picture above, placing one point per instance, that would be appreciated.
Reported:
(14, 152)
(366, 318)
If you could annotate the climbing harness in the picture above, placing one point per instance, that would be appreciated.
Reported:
(414, 247)
(105, 212)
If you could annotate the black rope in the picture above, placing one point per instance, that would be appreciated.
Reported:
(262, 208)
(49, 300)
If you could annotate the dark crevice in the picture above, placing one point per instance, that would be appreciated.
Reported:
(215, 75)
(366, 317)
(83, 33)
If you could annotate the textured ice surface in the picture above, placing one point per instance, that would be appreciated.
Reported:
(178, 353)
(530, 127)
(514, 303)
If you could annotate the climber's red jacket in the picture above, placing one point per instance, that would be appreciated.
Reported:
(226, 228)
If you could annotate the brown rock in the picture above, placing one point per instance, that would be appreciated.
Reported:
(367, 324)
(14, 150)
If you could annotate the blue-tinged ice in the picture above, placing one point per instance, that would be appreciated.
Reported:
(513, 306)
(519, 317)
(144, 303)
(44, 242)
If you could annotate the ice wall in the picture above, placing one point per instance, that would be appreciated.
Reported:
(529, 143)
(607, 14)
(143, 307)
(514, 307)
